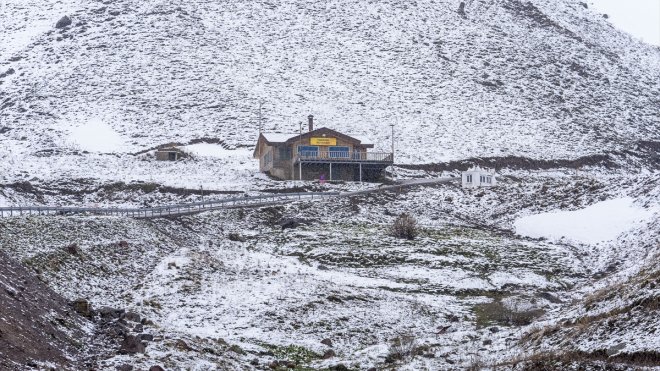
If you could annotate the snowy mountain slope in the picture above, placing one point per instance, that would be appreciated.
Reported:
(512, 80)
(275, 288)
(540, 79)
(237, 275)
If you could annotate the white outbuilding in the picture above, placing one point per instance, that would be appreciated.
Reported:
(478, 177)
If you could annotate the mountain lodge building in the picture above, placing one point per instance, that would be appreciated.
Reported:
(319, 154)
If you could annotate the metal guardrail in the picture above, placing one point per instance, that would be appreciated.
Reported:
(197, 207)
(167, 210)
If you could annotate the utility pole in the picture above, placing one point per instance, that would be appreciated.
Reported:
(261, 103)
(393, 174)
(298, 154)
(392, 125)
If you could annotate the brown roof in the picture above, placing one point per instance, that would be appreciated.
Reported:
(290, 138)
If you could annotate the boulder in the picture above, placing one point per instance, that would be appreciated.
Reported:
(132, 344)
(236, 237)
(131, 316)
(11, 292)
(146, 337)
(73, 249)
(82, 307)
(10, 71)
(125, 368)
(329, 354)
(616, 349)
(327, 342)
(108, 313)
(156, 368)
(290, 223)
(63, 22)
(461, 9)
(182, 345)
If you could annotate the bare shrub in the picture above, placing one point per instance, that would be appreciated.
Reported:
(496, 312)
(405, 226)
(402, 347)
(475, 364)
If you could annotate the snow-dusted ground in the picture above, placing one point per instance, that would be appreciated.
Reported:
(342, 277)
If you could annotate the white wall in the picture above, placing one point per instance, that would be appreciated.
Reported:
(477, 180)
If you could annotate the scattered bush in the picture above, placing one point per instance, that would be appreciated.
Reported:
(405, 226)
(498, 313)
(402, 347)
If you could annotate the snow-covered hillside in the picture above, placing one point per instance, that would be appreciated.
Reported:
(543, 79)
(468, 291)
(562, 104)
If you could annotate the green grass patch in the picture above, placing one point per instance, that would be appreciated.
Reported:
(297, 354)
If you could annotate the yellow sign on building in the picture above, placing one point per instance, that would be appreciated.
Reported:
(323, 141)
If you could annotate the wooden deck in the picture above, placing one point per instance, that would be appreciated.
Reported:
(344, 156)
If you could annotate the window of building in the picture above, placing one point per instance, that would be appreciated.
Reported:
(308, 151)
(468, 178)
(338, 152)
(284, 153)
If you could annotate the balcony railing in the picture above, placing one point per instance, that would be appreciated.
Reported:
(344, 156)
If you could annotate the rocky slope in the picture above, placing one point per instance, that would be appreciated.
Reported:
(38, 327)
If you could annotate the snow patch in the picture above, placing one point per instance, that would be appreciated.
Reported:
(96, 136)
(600, 222)
(211, 150)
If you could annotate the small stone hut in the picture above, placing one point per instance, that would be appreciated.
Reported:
(169, 153)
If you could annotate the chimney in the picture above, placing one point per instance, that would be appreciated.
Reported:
(310, 119)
